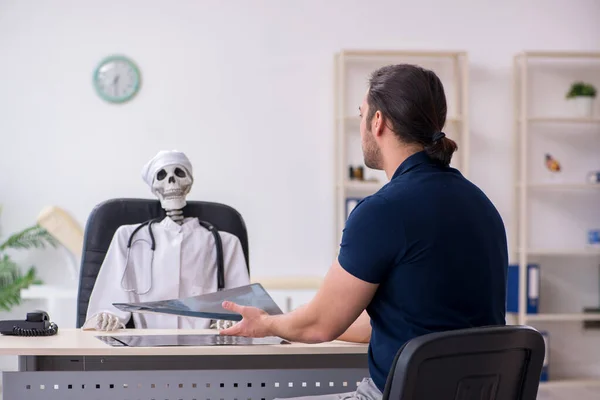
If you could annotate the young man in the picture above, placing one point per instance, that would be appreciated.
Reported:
(426, 253)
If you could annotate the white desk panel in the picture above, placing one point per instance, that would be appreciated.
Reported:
(77, 342)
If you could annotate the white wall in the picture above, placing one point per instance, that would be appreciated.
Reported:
(245, 89)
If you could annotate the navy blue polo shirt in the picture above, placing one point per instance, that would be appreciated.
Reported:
(436, 246)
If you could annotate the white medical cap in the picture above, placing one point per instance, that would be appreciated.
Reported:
(163, 159)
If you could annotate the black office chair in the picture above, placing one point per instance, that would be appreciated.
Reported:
(106, 217)
(490, 363)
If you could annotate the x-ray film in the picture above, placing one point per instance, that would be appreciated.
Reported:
(209, 305)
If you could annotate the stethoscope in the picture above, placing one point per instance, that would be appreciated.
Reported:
(152, 245)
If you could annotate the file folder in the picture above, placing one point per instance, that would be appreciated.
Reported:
(532, 290)
(351, 203)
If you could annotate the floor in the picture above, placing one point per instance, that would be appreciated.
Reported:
(579, 393)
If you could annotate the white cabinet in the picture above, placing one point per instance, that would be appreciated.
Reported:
(555, 206)
(289, 300)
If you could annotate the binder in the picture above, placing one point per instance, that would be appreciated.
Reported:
(351, 202)
(532, 290)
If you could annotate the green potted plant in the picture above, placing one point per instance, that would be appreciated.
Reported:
(582, 95)
(12, 278)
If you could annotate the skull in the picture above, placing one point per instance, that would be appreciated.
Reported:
(171, 184)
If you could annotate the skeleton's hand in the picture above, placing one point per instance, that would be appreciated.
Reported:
(103, 322)
(221, 324)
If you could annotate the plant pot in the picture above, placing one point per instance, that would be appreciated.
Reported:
(583, 106)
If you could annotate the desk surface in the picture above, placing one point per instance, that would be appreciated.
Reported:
(75, 342)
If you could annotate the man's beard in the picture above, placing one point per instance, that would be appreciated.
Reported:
(371, 152)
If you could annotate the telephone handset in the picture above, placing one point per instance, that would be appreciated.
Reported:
(37, 323)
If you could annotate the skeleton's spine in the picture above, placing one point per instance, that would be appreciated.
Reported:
(176, 215)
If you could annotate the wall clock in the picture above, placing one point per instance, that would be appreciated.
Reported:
(117, 79)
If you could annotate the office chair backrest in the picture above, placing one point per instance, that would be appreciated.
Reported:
(490, 363)
(106, 217)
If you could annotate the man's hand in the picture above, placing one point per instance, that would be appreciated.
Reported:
(338, 303)
(254, 321)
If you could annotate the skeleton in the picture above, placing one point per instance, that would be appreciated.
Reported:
(171, 184)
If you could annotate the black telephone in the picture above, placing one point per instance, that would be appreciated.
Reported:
(37, 324)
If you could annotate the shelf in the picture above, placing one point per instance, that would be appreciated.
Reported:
(358, 186)
(579, 317)
(373, 54)
(564, 120)
(558, 54)
(561, 186)
(589, 252)
(356, 119)
(560, 383)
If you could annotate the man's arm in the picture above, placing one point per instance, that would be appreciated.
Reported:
(359, 331)
(338, 303)
(366, 253)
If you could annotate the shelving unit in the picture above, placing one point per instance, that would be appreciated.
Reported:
(352, 70)
(565, 383)
(561, 186)
(529, 125)
(563, 317)
(564, 120)
(562, 252)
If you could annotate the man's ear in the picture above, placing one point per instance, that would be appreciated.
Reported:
(377, 123)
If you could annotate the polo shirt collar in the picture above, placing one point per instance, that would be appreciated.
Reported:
(411, 162)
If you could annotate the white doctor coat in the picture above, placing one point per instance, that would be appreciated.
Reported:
(184, 265)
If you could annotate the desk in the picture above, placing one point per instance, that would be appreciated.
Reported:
(74, 364)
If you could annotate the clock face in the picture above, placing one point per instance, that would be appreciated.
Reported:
(117, 79)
